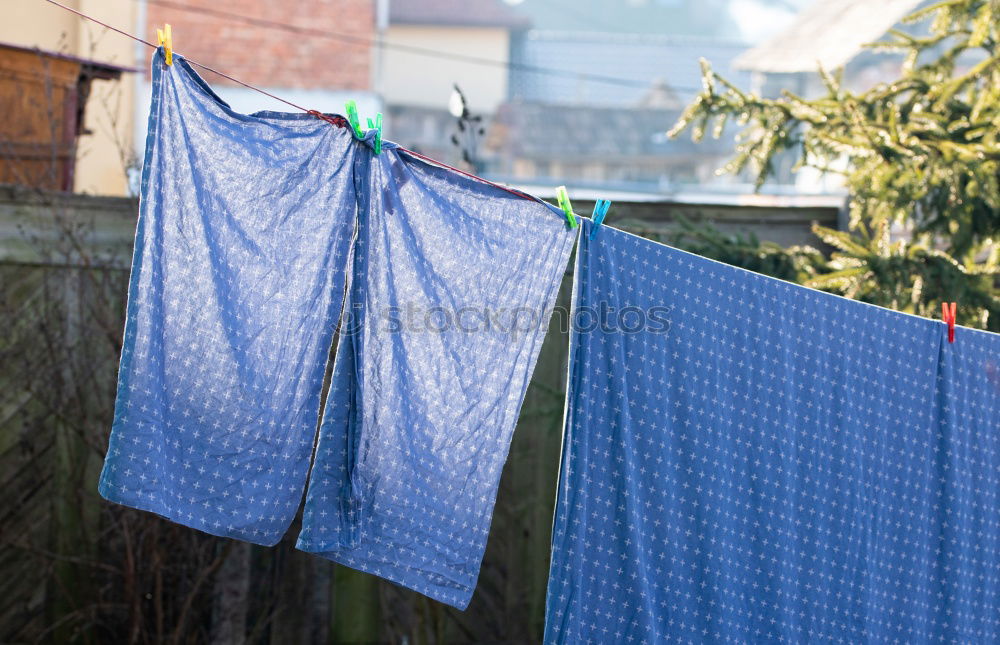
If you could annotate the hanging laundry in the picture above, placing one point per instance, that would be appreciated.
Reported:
(452, 287)
(237, 283)
(748, 460)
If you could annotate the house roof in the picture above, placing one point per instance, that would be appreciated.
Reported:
(828, 33)
(93, 68)
(642, 62)
(540, 131)
(456, 13)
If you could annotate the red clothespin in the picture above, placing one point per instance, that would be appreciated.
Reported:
(948, 316)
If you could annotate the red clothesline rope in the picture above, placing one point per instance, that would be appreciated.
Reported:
(512, 191)
(92, 19)
(337, 121)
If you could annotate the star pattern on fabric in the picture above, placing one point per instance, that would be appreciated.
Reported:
(237, 280)
(778, 465)
(419, 419)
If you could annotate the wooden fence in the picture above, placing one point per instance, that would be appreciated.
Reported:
(77, 569)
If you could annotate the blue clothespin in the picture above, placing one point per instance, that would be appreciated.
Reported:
(567, 208)
(377, 127)
(352, 118)
(600, 211)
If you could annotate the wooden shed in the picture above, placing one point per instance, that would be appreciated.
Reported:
(42, 100)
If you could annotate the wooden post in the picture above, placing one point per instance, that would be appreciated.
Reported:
(355, 606)
(230, 597)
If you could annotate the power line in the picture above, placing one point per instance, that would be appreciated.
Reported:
(195, 63)
(335, 121)
(413, 49)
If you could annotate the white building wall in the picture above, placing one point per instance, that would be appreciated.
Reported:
(410, 78)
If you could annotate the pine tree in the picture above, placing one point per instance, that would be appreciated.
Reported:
(919, 154)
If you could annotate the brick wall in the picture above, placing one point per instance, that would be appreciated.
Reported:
(274, 57)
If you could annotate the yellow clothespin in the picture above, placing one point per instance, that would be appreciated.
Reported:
(166, 40)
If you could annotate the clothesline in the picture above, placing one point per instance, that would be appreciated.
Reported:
(413, 502)
(314, 113)
(746, 479)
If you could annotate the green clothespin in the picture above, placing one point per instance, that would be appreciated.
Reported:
(566, 206)
(377, 127)
(352, 117)
(355, 121)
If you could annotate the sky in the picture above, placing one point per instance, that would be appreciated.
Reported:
(759, 20)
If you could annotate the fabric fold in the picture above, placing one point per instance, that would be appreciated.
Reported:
(452, 287)
(238, 275)
(748, 460)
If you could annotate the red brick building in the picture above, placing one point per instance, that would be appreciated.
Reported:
(271, 56)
